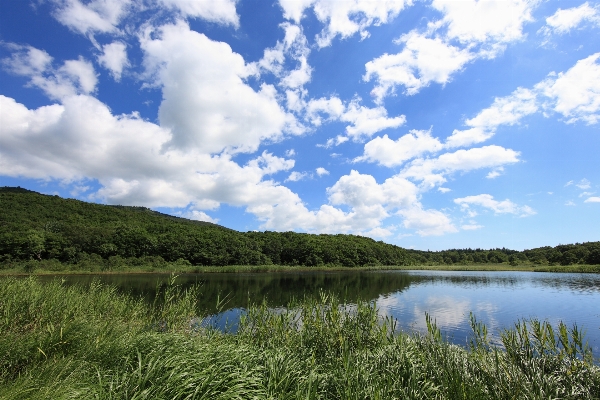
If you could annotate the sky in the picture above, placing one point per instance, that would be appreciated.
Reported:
(426, 124)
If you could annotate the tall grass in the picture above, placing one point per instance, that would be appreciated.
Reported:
(73, 342)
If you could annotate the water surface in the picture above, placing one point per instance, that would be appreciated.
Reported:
(498, 299)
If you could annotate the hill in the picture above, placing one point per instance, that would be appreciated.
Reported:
(40, 227)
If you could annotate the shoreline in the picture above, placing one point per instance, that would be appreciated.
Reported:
(282, 268)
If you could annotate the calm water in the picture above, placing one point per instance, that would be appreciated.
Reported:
(498, 299)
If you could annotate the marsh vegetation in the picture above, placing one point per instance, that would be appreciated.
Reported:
(59, 341)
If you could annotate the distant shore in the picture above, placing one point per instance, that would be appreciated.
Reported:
(284, 268)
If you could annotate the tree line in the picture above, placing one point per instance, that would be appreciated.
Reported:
(42, 227)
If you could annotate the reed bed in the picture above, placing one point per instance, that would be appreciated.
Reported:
(71, 342)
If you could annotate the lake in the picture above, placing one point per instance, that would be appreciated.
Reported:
(498, 299)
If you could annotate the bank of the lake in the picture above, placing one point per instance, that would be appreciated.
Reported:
(60, 341)
(49, 268)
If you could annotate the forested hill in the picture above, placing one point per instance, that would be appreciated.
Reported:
(41, 227)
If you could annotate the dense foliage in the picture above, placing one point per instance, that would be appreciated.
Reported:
(75, 342)
(46, 228)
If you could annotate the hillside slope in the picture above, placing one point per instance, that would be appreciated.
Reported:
(40, 227)
(36, 226)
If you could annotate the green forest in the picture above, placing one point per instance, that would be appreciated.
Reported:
(56, 232)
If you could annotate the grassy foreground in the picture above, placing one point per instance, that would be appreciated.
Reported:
(60, 341)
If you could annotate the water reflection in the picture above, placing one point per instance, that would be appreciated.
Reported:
(498, 299)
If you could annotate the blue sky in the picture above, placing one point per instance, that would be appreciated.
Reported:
(427, 124)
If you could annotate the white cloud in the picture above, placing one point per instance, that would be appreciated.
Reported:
(468, 30)
(295, 47)
(344, 18)
(371, 203)
(378, 232)
(507, 110)
(444, 190)
(499, 207)
(388, 152)
(270, 164)
(592, 200)
(206, 103)
(219, 11)
(423, 60)
(73, 77)
(576, 93)
(565, 20)
(586, 194)
(367, 121)
(363, 121)
(93, 16)
(570, 203)
(427, 222)
(495, 173)
(199, 216)
(367, 199)
(485, 21)
(81, 139)
(297, 176)
(432, 171)
(332, 107)
(294, 9)
(584, 184)
(568, 183)
(336, 141)
(322, 171)
(471, 227)
(114, 58)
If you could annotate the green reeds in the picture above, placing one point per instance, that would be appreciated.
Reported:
(60, 341)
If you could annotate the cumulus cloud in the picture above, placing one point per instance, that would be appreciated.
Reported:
(388, 152)
(576, 93)
(563, 21)
(471, 227)
(100, 16)
(371, 203)
(364, 121)
(336, 141)
(495, 173)
(294, 46)
(432, 171)
(468, 30)
(584, 184)
(206, 103)
(219, 11)
(499, 207)
(297, 176)
(322, 171)
(423, 60)
(507, 110)
(344, 18)
(197, 215)
(114, 58)
(73, 77)
(427, 222)
(81, 139)
(592, 200)
(332, 108)
(485, 21)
